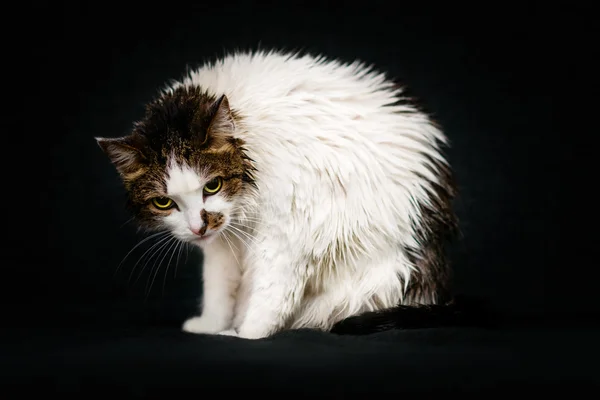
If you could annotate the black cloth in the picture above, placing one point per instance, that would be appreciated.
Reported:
(497, 81)
(161, 361)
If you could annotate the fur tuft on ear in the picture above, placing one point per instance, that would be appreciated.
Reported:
(222, 119)
(222, 123)
(127, 159)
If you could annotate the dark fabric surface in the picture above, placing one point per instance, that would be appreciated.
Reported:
(498, 79)
(160, 361)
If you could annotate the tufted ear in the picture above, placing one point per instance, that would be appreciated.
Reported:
(222, 121)
(221, 125)
(123, 153)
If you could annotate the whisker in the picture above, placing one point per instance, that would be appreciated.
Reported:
(226, 232)
(162, 239)
(181, 246)
(177, 244)
(244, 233)
(238, 217)
(156, 253)
(245, 216)
(243, 208)
(126, 222)
(248, 229)
(245, 213)
(135, 247)
(167, 250)
(249, 221)
(250, 237)
(232, 251)
(241, 239)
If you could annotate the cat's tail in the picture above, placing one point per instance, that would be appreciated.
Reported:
(460, 311)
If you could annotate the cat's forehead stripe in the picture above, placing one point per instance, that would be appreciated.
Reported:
(182, 179)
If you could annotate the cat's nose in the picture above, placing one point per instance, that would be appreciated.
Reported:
(198, 230)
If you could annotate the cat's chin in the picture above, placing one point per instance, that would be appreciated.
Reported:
(205, 240)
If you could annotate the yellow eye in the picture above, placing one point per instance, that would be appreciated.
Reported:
(213, 186)
(163, 203)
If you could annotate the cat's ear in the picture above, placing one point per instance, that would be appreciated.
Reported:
(222, 122)
(123, 153)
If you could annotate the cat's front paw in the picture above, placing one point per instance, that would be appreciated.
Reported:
(202, 324)
(253, 333)
(229, 332)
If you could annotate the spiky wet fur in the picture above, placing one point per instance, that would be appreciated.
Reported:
(337, 196)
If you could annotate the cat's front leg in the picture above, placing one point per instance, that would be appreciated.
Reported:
(275, 285)
(221, 278)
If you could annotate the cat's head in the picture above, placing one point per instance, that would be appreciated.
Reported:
(183, 168)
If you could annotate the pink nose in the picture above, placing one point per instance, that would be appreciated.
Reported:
(198, 231)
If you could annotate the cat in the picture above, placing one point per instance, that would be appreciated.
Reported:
(317, 189)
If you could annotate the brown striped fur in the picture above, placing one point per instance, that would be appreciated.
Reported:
(194, 128)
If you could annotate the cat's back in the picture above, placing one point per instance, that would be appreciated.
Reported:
(310, 119)
(338, 155)
(316, 103)
(264, 86)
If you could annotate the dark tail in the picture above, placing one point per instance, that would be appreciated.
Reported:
(460, 311)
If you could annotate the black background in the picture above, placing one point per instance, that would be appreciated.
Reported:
(501, 81)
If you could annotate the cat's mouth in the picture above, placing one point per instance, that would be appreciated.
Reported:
(206, 237)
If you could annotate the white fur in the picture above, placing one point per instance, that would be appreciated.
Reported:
(184, 186)
(337, 194)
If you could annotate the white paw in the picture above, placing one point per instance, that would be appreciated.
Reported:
(249, 333)
(229, 332)
(202, 324)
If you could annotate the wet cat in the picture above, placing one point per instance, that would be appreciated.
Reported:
(317, 191)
